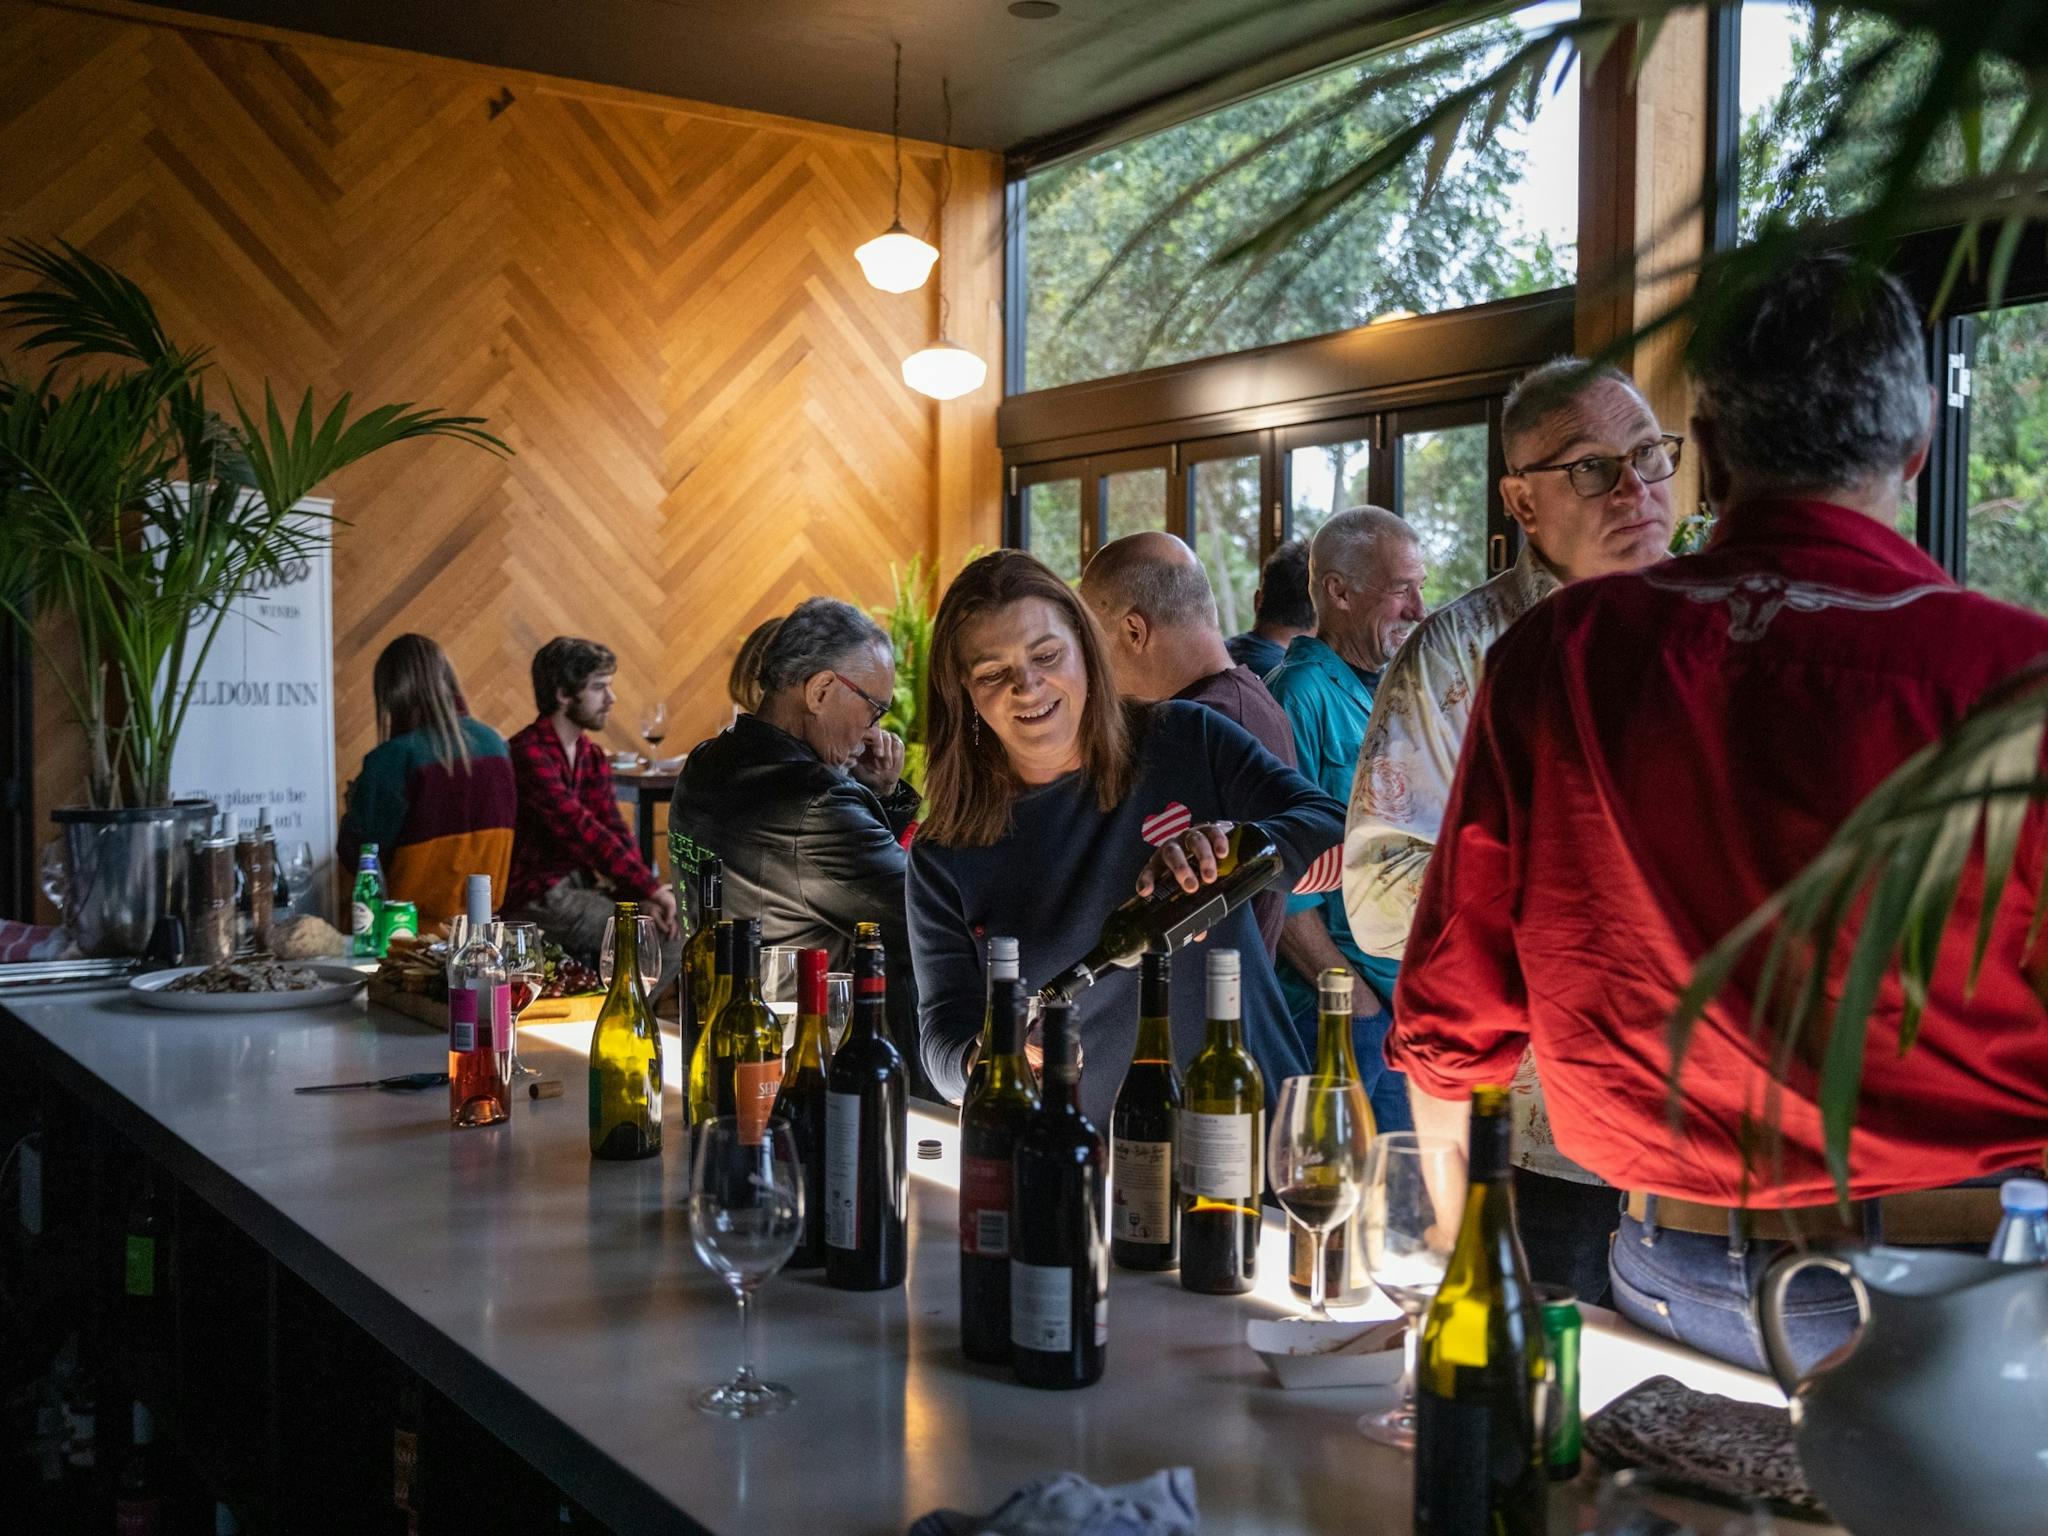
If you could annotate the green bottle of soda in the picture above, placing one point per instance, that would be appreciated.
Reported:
(364, 905)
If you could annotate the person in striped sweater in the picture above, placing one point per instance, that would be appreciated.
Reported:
(436, 795)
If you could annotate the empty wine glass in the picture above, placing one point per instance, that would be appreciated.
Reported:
(519, 945)
(838, 1004)
(746, 1212)
(54, 873)
(647, 952)
(654, 728)
(1322, 1132)
(295, 877)
(778, 987)
(1414, 1197)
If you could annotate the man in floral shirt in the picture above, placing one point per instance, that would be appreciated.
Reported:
(1590, 487)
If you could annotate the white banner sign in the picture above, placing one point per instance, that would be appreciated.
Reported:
(260, 730)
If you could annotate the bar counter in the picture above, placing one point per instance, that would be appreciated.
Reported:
(559, 1302)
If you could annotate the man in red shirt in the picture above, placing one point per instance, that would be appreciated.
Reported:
(1651, 755)
(572, 856)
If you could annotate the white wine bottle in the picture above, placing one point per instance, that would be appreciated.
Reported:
(625, 1055)
(1222, 1146)
(1345, 1281)
(1483, 1371)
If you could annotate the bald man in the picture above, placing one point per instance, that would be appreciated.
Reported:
(1159, 616)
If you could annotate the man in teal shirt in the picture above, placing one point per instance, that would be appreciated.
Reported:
(1365, 576)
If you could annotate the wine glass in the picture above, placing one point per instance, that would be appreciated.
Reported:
(778, 986)
(519, 946)
(647, 952)
(53, 868)
(1414, 1194)
(653, 728)
(295, 873)
(1322, 1132)
(746, 1213)
(838, 1004)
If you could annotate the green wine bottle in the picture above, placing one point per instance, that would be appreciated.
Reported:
(746, 1042)
(1482, 1387)
(702, 1100)
(801, 1101)
(1344, 1274)
(990, 1121)
(1144, 1179)
(1170, 917)
(625, 1055)
(1002, 967)
(1222, 1125)
(700, 956)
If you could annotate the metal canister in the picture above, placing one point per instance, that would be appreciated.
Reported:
(395, 918)
(1561, 1325)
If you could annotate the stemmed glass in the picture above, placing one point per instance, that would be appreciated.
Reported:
(778, 987)
(295, 874)
(838, 1004)
(647, 951)
(1322, 1133)
(653, 728)
(746, 1213)
(1414, 1195)
(519, 945)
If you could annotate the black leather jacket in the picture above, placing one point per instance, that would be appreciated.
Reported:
(808, 849)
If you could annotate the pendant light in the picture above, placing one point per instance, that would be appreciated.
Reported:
(896, 261)
(945, 370)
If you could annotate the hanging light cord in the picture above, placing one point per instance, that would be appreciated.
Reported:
(945, 191)
(896, 132)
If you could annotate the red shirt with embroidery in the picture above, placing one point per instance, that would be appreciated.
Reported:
(568, 820)
(1650, 757)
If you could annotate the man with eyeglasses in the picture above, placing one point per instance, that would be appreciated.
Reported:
(1365, 577)
(1588, 482)
(804, 799)
(1650, 756)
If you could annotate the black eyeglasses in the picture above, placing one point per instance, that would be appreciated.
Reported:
(1601, 473)
(880, 709)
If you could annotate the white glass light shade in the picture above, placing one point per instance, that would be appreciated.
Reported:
(896, 261)
(944, 370)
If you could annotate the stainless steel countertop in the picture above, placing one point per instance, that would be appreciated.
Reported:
(558, 1301)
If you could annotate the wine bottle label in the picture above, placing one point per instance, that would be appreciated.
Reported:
(1042, 1307)
(842, 1170)
(1141, 1191)
(141, 1266)
(985, 1207)
(480, 1018)
(755, 1085)
(1218, 1155)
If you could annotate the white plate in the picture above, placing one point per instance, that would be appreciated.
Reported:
(341, 984)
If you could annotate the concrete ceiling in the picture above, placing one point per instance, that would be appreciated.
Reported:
(1017, 84)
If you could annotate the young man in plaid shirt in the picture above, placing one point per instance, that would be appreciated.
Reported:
(572, 856)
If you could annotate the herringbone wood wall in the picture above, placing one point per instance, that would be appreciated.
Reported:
(654, 303)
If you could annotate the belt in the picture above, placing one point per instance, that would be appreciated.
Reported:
(1923, 1218)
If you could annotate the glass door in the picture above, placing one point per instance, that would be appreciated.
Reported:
(2004, 390)
(1443, 486)
(1327, 469)
(1224, 480)
(1050, 514)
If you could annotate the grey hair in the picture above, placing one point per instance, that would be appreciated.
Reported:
(1174, 594)
(1549, 389)
(1349, 539)
(1816, 378)
(821, 634)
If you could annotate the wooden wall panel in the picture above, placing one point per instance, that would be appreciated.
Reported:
(655, 303)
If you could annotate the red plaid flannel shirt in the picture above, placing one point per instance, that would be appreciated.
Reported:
(568, 820)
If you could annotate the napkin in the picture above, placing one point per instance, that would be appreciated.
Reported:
(1069, 1505)
(1704, 1441)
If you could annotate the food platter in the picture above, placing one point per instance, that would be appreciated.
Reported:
(338, 984)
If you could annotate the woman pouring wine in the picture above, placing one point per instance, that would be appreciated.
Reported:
(1049, 802)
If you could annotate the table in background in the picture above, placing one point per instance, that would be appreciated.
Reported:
(557, 1301)
(644, 792)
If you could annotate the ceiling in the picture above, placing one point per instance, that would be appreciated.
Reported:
(1030, 86)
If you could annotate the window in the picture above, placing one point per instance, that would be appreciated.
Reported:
(1116, 278)
(1442, 491)
(1052, 524)
(1223, 525)
(1325, 479)
(2005, 530)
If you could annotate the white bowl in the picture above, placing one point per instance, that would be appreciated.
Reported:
(666, 765)
(1305, 1353)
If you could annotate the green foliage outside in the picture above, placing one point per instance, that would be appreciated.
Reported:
(1783, 173)
(1388, 250)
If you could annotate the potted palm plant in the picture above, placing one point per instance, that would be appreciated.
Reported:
(134, 510)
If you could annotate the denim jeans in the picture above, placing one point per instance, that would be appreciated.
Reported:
(1699, 1289)
(1385, 1089)
(1567, 1228)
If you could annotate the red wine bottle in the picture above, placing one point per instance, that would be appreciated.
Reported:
(1059, 1246)
(867, 1195)
(1144, 1181)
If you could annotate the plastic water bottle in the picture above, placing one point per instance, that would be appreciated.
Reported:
(2022, 1236)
